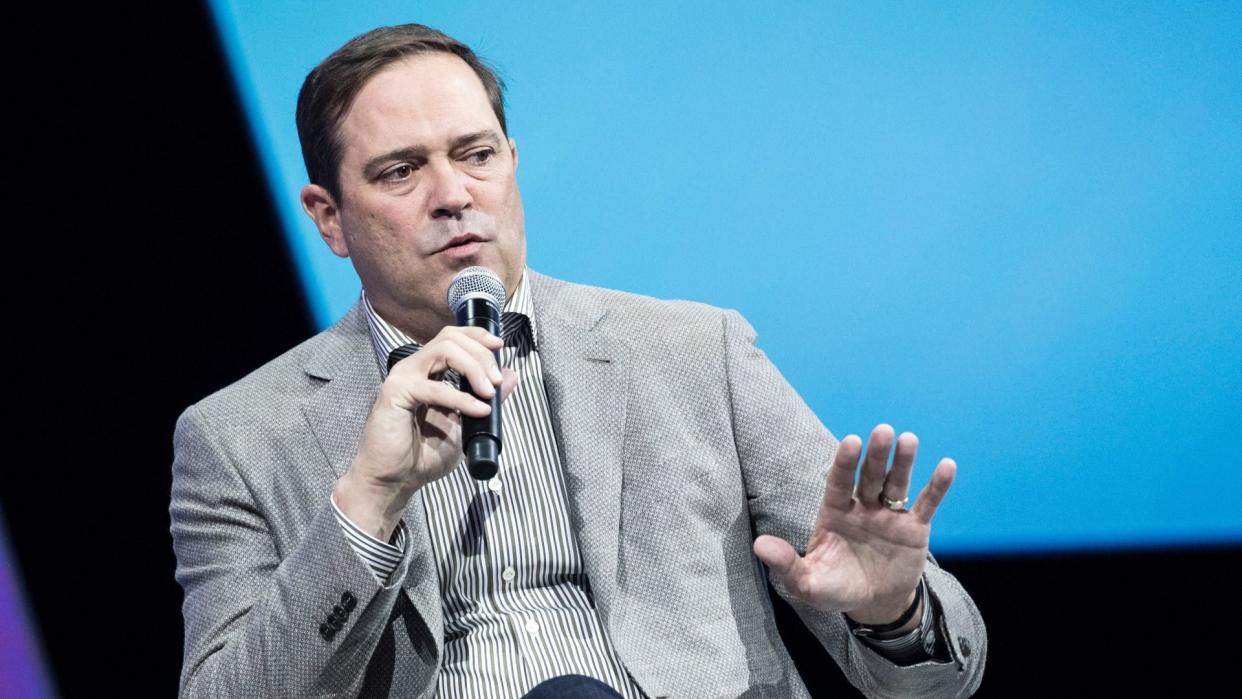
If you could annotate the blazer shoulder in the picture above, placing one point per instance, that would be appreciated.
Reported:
(288, 377)
(639, 314)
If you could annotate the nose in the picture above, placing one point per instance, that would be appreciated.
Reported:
(449, 195)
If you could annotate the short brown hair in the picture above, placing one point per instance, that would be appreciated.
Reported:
(330, 88)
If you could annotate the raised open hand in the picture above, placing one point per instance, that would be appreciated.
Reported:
(867, 551)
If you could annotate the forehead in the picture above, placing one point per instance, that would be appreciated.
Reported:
(422, 100)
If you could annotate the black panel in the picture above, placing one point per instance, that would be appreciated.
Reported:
(149, 271)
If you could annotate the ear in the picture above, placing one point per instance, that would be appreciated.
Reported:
(318, 203)
(513, 152)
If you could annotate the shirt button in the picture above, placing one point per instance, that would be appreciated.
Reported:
(494, 485)
(532, 628)
(508, 574)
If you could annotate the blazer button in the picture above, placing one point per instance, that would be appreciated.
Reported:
(348, 601)
(327, 632)
(340, 611)
(964, 644)
(335, 621)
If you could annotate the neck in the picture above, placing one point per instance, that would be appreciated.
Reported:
(420, 325)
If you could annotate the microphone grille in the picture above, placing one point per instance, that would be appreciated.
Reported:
(473, 282)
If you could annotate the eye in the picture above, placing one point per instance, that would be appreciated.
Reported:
(399, 173)
(481, 156)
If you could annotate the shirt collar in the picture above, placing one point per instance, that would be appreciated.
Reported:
(385, 337)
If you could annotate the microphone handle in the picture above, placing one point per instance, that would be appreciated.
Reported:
(480, 436)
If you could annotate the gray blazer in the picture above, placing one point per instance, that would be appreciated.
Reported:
(680, 441)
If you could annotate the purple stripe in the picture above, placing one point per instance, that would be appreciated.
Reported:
(21, 664)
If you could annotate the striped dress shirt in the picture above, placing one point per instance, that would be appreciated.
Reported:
(517, 604)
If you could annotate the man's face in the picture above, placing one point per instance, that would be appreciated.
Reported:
(428, 188)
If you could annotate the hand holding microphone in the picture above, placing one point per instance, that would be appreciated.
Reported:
(420, 426)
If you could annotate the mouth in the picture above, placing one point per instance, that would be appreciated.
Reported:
(463, 245)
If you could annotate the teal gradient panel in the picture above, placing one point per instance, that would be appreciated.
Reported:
(1012, 228)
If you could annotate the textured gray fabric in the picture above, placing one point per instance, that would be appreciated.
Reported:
(677, 451)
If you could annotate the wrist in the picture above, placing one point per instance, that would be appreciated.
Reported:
(904, 615)
(373, 508)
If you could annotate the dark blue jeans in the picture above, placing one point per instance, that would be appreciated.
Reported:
(573, 687)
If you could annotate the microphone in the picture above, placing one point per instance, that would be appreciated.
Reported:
(476, 296)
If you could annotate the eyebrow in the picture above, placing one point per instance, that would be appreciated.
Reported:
(375, 165)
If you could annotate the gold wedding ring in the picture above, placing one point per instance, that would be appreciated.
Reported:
(894, 505)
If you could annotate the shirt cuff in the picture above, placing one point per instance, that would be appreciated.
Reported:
(381, 557)
(919, 644)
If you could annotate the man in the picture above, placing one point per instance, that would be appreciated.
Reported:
(329, 544)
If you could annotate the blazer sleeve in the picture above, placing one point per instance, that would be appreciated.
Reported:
(253, 615)
(785, 452)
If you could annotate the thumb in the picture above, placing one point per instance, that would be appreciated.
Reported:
(777, 555)
(508, 383)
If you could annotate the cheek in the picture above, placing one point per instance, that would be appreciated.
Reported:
(511, 208)
(380, 218)
(381, 228)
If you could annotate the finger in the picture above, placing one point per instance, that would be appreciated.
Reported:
(509, 382)
(412, 392)
(442, 424)
(871, 477)
(839, 489)
(780, 558)
(933, 492)
(481, 335)
(481, 351)
(897, 484)
(445, 353)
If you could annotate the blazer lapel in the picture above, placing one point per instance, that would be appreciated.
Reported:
(337, 413)
(338, 410)
(586, 375)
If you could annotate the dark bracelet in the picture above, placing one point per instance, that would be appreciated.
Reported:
(865, 630)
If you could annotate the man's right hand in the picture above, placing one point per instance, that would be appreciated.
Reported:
(413, 434)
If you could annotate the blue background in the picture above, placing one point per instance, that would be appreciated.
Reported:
(1011, 228)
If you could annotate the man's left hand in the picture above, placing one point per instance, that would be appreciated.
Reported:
(864, 558)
